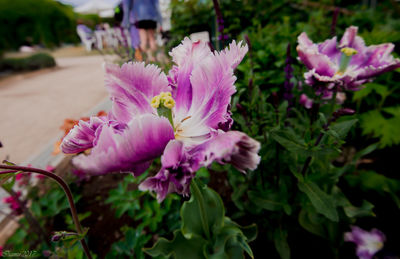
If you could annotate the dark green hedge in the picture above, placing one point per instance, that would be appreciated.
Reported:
(34, 62)
(45, 22)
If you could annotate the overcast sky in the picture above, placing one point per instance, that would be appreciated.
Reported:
(80, 2)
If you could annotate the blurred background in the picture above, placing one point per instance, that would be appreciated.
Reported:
(51, 75)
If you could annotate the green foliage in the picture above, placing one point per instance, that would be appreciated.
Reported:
(150, 217)
(206, 232)
(45, 22)
(52, 204)
(383, 124)
(33, 62)
(131, 245)
(321, 201)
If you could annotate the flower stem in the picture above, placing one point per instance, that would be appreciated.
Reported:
(67, 191)
(203, 216)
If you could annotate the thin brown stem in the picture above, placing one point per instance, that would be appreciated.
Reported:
(67, 191)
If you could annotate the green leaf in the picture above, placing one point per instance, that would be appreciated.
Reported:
(343, 127)
(364, 210)
(386, 128)
(370, 180)
(232, 240)
(322, 202)
(250, 231)
(180, 247)
(382, 90)
(5, 177)
(8, 162)
(281, 244)
(312, 223)
(192, 215)
(350, 210)
(268, 201)
(289, 140)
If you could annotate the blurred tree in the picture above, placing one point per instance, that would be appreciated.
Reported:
(27, 22)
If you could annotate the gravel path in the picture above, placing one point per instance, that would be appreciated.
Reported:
(33, 106)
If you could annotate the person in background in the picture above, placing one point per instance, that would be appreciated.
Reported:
(147, 15)
(128, 22)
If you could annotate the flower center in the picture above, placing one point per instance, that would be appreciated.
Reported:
(164, 103)
(377, 245)
(345, 59)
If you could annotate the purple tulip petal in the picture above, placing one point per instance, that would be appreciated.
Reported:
(175, 174)
(348, 37)
(378, 60)
(313, 59)
(204, 83)
(144, 139)
(213, 86)
(368, 243)
(329, 48)
(186, 56)
(132, 87)
(324, 60)
(233, 55)
(232, 147)
(82, 136)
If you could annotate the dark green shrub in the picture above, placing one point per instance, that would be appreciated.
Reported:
(44, 22)
(34, 62)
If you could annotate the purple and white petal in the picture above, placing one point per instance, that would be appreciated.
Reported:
(368, 243)
(176, 172)
(212, 85)
(82, 136)
(330, 49)
(204, 84)
(324, 60)
(232, 147)
(313, 59)
(349, 37)
(378, 60)
(132, 87)
(233, 55)
(143, 139)
(186, 56)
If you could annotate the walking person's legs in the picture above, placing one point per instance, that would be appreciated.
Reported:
(152, 44)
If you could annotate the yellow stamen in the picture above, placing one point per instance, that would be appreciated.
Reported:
(155, 102)
(169, 102)
(165, 94)
(349, 51)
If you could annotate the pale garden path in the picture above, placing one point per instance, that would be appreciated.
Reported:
(33, 106)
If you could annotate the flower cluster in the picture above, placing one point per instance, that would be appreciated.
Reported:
(14, 203)
(335, 67)
(183, 117)
(368, 243)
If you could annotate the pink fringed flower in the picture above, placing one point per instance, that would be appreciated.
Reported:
(184, 117)
(368, 243)
(347, 64)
